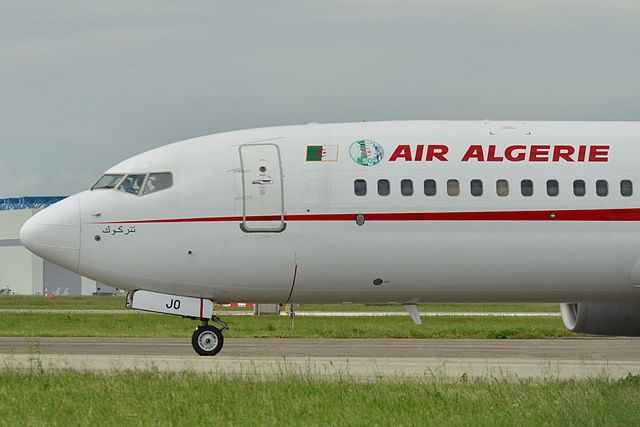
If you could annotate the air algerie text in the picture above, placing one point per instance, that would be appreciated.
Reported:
(511, 153)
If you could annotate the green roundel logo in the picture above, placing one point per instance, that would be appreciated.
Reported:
(366, 153)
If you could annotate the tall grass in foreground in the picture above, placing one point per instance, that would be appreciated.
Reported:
(151, 398)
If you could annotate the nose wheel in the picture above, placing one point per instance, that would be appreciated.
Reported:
(207, 340)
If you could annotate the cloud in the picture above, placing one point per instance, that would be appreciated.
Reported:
(85, 85)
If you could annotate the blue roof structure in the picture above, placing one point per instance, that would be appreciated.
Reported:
(35, 202)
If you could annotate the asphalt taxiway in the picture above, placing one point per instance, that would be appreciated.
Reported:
(361, 359)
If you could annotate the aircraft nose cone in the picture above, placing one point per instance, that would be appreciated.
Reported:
(54, 233)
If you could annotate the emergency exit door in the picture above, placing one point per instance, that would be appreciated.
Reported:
(263, 195)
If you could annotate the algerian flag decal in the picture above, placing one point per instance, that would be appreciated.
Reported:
(322, 153)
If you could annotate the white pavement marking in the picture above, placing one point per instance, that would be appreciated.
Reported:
(427, 314)
(356, 368)
(300, 313)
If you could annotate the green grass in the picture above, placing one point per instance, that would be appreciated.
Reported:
(143, 325)
(70, 302)
(475, 308)
(61, 302)
(117, 303)
(150, 398)
(152, 325)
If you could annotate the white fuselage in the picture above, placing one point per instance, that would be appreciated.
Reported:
(297, 231)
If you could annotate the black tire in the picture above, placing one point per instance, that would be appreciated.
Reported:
(207, 340)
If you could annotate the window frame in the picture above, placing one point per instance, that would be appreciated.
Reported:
(630, 187)
(122, 175)
(606, 187)
(143, 193)
(549, 186)
(457, 187)
(382, 181)
(366, 190)
(522, 182)
(584, 187)
(506, 182)
(142, 185)
(435, 187)
(410, 181)
(471, 188)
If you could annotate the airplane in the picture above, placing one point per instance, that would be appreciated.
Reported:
(398, 212)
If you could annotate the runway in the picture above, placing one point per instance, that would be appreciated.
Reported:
(359, 359)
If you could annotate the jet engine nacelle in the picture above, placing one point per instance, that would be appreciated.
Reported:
(602, 319)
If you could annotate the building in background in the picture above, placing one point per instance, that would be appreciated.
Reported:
(24, 273)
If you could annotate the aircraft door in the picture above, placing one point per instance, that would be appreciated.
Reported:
(262, 190)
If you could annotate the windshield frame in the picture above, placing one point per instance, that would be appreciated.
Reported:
(145, 176)
(116, 183)
(144, 190)
(122, 177)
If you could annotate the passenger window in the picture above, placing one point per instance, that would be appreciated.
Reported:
(132, 184)
(579, 188)
(429, 187)
(406, 187)
(453, 187)
(157, 182)
(602, 187)
(552, 188)
(526, 187)
(476, 187)
(502, 187)
(626, 188)
(384, 188)
(360, 187)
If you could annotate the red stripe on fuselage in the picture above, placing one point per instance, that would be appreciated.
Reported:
(632, 214)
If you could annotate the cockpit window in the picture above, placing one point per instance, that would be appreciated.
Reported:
(157, 182)
(132, 184)
(136, 183)
(107, 181)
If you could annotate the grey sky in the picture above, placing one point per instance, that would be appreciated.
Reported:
(85, 84)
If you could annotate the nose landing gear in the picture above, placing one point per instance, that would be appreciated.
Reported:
(207, 340)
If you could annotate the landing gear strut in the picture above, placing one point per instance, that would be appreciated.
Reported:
(208, 340)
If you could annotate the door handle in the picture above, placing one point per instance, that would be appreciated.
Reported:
(262, 181)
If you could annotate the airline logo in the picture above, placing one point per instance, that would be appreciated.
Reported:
(322, 153)
(366, 152)
(494, 153)
(370, 153)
